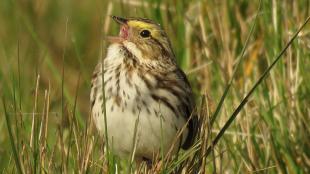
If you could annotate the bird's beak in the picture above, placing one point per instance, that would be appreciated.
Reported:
(124, 30)
(119, 20)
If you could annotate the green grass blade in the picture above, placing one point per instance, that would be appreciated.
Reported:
(14, 149)
(259, 81)
(220, 104)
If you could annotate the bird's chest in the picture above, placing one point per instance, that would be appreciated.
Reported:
(133, 97)
(127, 89)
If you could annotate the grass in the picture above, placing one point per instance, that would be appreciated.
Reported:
(49, 49)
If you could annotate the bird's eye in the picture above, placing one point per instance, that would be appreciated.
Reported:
(145, 33)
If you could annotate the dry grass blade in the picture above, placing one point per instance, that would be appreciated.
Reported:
(219, 106)
(259, 81)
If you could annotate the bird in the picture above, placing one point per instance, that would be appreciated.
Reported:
(143, 100)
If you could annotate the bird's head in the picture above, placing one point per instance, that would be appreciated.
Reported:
(144, 35)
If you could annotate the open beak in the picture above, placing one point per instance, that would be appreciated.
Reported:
(119, 20)
(123, 35)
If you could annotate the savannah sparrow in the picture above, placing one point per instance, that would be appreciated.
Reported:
(144, 87)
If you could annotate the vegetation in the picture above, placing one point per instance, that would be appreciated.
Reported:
(48, 50)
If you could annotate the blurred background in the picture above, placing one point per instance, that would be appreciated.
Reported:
(61, 42)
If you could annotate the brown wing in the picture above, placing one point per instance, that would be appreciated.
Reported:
(188, 109)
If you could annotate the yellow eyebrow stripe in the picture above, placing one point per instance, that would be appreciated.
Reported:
(155, 32)
(139, 24)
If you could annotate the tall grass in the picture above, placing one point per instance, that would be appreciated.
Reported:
(48, 50)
